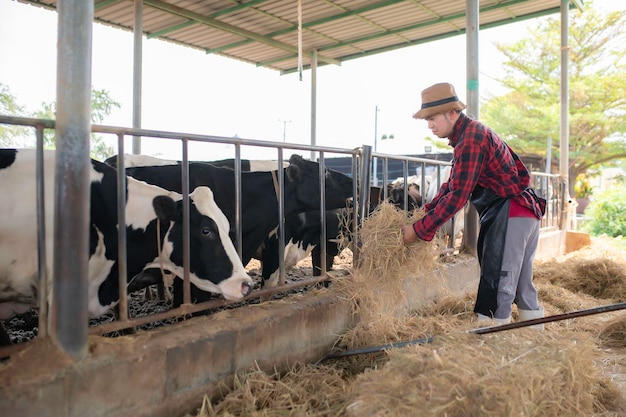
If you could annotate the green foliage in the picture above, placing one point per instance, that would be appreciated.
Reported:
(582, 187)
(606, 213)
(530, 113)
(9, 106)
(101, 106)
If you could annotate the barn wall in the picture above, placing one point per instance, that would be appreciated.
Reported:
(166, 372)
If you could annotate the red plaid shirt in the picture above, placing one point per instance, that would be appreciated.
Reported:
(480, 157)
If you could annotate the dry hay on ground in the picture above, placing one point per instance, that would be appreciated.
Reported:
(523, 373)
(527, 373)
(598, 270)
(613, 335)
(258, 394)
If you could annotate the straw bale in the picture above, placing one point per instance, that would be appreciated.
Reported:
(516, 374)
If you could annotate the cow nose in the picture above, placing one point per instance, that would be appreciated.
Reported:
(246, 288)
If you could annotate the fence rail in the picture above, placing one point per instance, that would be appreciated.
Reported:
(360, 169)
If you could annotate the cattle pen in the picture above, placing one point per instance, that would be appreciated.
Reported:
(272, 327)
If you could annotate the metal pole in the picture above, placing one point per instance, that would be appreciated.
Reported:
(137, 72)
(313, 101)
(564, 143)
(69, 313)
(482, 330)
(375, 174)
(470, 235)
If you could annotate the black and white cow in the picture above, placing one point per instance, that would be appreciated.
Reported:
(259, 196)
(131, 160)
(302, 238)
(303, 233)
(215, 266)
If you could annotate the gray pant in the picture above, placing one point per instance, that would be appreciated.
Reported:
(516, 281)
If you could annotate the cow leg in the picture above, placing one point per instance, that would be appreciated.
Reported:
(5, 339)
(116, 313)
(269, 262)
(332, 250)
(147, 278)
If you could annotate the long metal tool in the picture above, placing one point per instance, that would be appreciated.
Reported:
(482, 330)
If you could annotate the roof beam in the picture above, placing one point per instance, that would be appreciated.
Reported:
(308, 25)
(188, 23)
(169, 8)
(432, 38)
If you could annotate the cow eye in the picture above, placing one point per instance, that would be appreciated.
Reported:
(208, 232)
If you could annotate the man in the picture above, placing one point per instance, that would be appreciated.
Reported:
(488, 173)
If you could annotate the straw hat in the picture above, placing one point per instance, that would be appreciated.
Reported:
(438, 98)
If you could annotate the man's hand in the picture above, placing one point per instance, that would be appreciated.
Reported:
(408, 234)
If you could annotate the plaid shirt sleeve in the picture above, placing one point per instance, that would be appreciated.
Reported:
(480, 157)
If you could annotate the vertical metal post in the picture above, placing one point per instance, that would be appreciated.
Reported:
(137, 72)
(281, 218)
(364, 180)
(472, 24)
(356, 244)
(69, 315)
(186, 228)
(44, 281)
(313, 101)
(564, 142)
(323, 249)
(375, 174)
(121, 231)
(238, 196)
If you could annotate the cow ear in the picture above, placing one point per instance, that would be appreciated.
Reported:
(165, 208)
(295, 158)
(293, 173)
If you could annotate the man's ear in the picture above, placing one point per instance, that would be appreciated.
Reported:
(453, 115)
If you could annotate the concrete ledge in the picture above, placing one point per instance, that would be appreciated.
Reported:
(166, 372)
(551, 245)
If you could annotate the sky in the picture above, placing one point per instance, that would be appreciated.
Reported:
(186, 90)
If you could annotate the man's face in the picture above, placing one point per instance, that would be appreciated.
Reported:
(440, 124)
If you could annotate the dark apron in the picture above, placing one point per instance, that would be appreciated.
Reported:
(493, 213)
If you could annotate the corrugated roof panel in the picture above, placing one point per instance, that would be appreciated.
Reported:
(266, 31)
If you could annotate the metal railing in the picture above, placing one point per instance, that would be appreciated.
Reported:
(547, 185)
(124, 321)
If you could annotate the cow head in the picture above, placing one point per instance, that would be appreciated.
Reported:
(307, 173)
(215, 265)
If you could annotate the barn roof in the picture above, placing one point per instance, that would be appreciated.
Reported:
(265, 32)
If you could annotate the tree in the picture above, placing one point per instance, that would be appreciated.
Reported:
(9, 105)
(101, 106)
(530, 113)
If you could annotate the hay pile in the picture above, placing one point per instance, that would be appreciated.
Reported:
(523, 373)
(377, 284)
(514, 374)
(598, 270)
